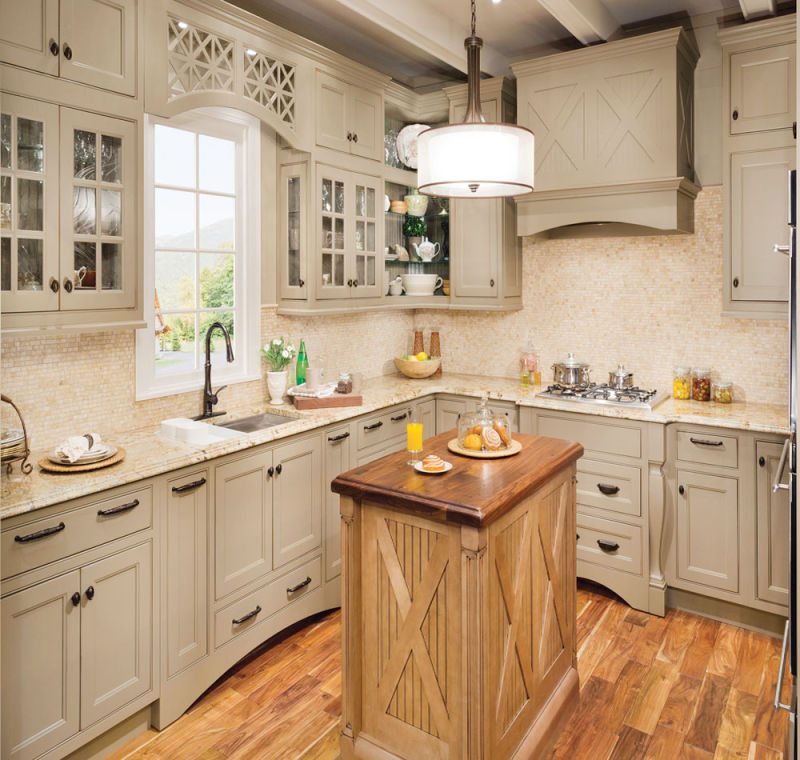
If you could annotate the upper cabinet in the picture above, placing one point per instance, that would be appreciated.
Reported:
(759, 113)
(88, 41)
(349, 117)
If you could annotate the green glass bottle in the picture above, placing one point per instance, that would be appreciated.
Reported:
(302, 363)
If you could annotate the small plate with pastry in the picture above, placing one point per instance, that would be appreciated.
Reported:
(433, 465)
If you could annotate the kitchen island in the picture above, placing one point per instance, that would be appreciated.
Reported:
(458, 604)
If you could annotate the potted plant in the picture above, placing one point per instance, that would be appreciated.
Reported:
(414, 228)
(277, 353)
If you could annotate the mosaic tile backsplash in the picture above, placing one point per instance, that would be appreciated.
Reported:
(650, 302)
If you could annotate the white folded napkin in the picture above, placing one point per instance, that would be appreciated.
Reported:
(77, 445)
(324, 390)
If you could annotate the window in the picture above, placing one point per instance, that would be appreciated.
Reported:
(202, 262)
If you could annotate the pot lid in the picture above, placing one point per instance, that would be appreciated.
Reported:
(620, 371)
(571, 361)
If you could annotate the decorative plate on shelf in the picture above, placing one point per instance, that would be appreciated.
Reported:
(407, 144)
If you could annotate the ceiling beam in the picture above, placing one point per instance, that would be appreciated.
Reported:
(755, 8)
(587, 20)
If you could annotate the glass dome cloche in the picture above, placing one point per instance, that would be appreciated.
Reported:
(482, 430)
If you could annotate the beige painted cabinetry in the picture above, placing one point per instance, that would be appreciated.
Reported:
(77, 622)
(759, 110)
(349, 117)
(486, 254)
(69, 245)
(726, 533)
(620, 497)
(88, 41)
(338, 457)
(449, 407)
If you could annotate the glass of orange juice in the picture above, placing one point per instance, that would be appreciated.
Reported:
(414, 436)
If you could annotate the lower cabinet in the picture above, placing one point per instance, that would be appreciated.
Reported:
(75, 649)
(338, 453)
(772, 526)
(707, 530)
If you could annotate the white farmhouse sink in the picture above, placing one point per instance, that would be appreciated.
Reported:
(195, 432)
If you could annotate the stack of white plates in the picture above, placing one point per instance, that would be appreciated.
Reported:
(97, 453)
(12, 443)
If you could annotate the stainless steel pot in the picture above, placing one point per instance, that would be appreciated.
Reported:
(620, 378)
(571, 372)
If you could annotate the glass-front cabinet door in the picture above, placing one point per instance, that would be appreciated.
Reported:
(98, 185)
(293, 244)
(28, 205)
(334, 204)
(365, 243)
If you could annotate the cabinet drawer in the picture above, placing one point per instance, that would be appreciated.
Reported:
(593, 436)
(384, 427)
(702, 448)
(396, 427)
(615, 487)
(241, 616)
(595, 531)
(41, 541)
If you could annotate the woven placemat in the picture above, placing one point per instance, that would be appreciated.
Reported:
(46, 464)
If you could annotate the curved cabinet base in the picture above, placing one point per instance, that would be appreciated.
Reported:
(633, 590)
(179, 692)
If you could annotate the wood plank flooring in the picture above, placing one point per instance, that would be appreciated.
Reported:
(675, 688)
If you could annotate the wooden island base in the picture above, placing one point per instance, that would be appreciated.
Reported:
(458, 605)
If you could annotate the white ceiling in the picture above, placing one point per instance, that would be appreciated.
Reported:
(420, 42)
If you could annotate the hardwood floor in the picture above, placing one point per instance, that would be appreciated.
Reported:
(675, 688)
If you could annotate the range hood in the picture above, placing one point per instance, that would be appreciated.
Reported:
(614, 138)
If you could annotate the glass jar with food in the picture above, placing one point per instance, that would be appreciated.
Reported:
(345, 384)
(701, 384)
(481, 430)
(722, 392)
(681, 382)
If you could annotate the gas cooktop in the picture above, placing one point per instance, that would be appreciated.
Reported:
(634, 398)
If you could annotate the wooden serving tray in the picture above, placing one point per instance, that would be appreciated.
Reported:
(49, 466)
(337, 399)
(514, 448)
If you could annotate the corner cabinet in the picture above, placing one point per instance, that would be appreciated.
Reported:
(68, 239)
(759, 149)
(88, 41)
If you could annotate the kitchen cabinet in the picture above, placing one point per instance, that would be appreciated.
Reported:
(242, 521)
(88, 41)
(349, 117)
(707, 524)
(293, 237)
(40, 667)
(69, 247)
(772, 526)
(185, 536)
(449, 407)
(297, 499)
(759, 109)
(338, 453)
(486, 258)
(348, 234)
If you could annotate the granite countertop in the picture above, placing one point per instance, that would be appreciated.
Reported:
(148, 453)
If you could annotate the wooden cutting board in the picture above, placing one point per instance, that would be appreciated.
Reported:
(337, 399)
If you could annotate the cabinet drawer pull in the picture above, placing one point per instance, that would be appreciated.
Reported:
(703, 442)
(189, 486)
(40, 534)
(607, 546)
(340, 437)
(373, 426)
(116, 510)
(300, 585)
(400, 417)
(245, 618)
(607, 490)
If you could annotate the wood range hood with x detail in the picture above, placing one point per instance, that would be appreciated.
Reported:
(614, 137)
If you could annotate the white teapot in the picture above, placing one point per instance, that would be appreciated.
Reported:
(426, 250)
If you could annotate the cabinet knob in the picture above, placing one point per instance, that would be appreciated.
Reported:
(279, 469)
(349, 283)
(270, 471)
(735, 114)
(355, 283)
(491, 283)
(355, 137)
(67, 285)
(54, 286)
(75, 599)
(53, 47)
(681, 490)
(735, 282)
(301, 282)
(794, 129)
(90, 592)
(67, 52)
(349, 136)
(762, 462)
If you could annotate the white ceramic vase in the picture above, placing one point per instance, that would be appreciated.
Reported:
(276, 386)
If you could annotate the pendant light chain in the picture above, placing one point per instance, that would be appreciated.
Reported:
(472, 4)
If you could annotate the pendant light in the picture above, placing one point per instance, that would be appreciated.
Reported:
(475, 159)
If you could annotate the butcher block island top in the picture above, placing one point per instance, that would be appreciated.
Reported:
(458, 604)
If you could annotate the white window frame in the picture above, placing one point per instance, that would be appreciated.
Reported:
(245, 129)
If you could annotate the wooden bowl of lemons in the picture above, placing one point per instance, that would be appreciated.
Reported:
(417, 366)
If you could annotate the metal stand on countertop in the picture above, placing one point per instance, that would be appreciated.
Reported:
(21, 451)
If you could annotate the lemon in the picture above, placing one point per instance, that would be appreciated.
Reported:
(412, 358)
(422, 356)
